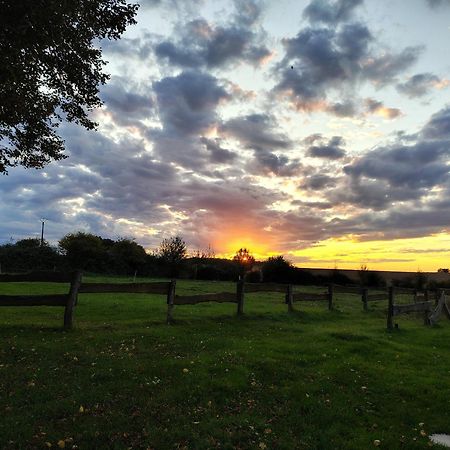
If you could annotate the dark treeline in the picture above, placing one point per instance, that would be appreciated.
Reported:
(94, 254)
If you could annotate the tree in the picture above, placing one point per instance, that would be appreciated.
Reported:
(244, 259)
(50, 71)
(28, 255)
(173, 251)
(128, 256)
(278, 269)
(84, 251)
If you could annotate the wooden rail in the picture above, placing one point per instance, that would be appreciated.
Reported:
(132, 288)
(68, 301)
(220, 297)
(418, 307)
(292, 297)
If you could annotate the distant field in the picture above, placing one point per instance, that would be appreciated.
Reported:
(388, 276)
(313, 379)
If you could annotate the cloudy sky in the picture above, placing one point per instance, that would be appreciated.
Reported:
(318, 130)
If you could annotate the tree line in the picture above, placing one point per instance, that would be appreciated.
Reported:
(95, 254)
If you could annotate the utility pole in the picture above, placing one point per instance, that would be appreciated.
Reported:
(42, 232)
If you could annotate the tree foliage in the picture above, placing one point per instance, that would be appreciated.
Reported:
(244, 259)
(28, 255)
(172, 252)
(278, 269)
(50, 71)
(84, 251)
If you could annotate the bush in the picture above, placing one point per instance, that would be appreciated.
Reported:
(27, 255)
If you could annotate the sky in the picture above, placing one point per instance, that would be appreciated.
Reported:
(319, 130)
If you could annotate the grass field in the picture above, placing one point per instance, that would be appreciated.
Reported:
(313, 379)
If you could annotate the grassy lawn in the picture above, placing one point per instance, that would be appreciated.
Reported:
(313, 379)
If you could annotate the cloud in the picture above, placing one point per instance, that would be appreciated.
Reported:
(329, 12)
(438, 127)
(202, 44)
(322, 62)
(187, 102)
(382, 70)
(323, 149)
(318, 182)
(256, 132)
(218, 155)
(126, 104)
(399, 172)
(269, 163)
(420, 85)
(378, 108)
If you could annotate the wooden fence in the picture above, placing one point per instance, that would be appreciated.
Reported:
(68, 301)
(166, 288)
(221, 297)
(430, 314)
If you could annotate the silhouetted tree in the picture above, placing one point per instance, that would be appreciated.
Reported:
(244, 259)
(278, 269)
(128, 256)
(50, 70)
(28, 255)
(84, 251)
(172, 252)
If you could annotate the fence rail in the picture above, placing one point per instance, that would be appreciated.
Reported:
(133, 288)
(68, 300)
(221, 297)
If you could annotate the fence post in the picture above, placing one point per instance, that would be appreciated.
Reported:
(290, 298)
(72, 300)
(330, 296)
(170, 301)
(390, 314)
(240, 297)
(364, 296)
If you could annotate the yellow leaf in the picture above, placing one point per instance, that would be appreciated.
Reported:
(61, 444)
(81, 410)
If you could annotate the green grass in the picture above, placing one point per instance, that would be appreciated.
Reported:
(313, 379)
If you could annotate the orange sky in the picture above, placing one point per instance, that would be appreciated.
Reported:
(426, 253)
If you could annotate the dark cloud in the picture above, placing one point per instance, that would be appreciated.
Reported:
(416, 166)
(330, 12)
(323, 149)
(320, 62)
(187, 102)
(126, 103)
(438, 127)
(318, 182)
(201, 44)
(418, 85)
(218, 155)
(346, 108)
(269, 163)
(383, 70)
(400, 172)
(257, 132)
